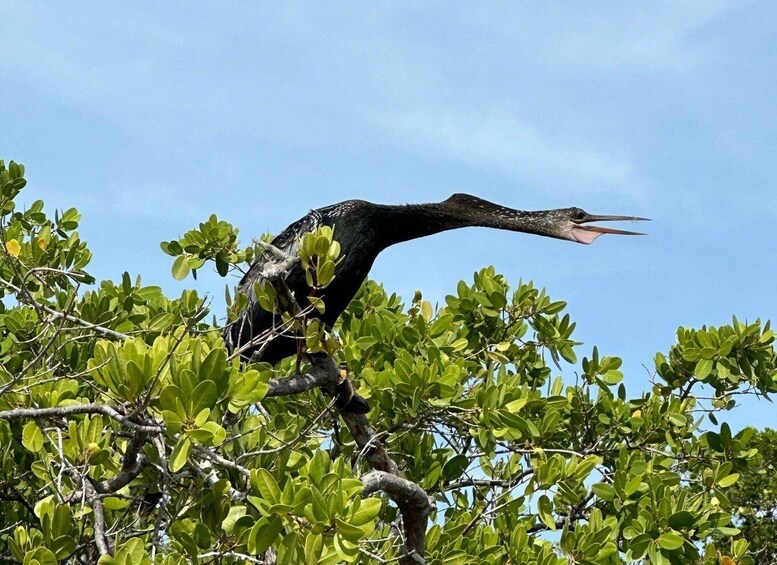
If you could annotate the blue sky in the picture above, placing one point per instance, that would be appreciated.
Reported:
(150, 117)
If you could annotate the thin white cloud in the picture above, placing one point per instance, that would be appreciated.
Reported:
(500, 142)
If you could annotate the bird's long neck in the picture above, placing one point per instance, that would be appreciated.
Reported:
(395, 224)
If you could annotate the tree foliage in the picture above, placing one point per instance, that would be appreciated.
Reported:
(130, 434)
(754, 499)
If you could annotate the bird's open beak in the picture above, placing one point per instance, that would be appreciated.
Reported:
(587, 234)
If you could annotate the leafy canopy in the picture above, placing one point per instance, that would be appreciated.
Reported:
(130, 434)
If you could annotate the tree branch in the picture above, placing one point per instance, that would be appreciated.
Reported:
(370, 445)
(216, 458)
(414, 505)
(133, 463)
(492, 483)
(99, 517)
(320, 375)
(413, 502)
(16, 496)
(70, 318)
(61, 411)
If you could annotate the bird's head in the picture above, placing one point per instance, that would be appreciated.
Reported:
(572, 224)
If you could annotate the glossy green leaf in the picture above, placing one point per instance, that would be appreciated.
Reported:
(32, 437)
(180, 454)
(180, 268)
(682, 519)
(670, 541)
(545, 509)
(728, 480)
(266, 484)
(454, 467)
(264, 534)
(368, 510)
(604, 491)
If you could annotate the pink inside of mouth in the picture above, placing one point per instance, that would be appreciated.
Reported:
(584, 236)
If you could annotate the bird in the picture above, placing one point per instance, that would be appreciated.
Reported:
(364, 229)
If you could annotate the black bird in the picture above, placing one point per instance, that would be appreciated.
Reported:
(364, 229)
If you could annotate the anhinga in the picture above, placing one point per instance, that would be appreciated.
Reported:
(364, 229)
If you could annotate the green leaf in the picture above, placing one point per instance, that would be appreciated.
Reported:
(169, 397)
(281, 509)
(210, 433)
(345, 548)
(454, 467)
(691, 354)
(703, 368)
(670, 541)
(180, 454)
(426, 309)
(99, 456)
(180, 268)
(265, 483)
(655, 557)
(201, 417)
(249, 388)
(604, 491)
(368, 510)
(171, 247)
(612, 377)
(172, 421)
(41, 556)
(545, 510)
(212, 367)
(32, 437)
(132, 552)
(349, 531)
(713, 440)
(639, 545)
(160, 322)
(326, 273)
(677, 419)
(682, 519)
(728, 531)
(203, 396)
(728, 480)
(314, 543)
(235, 513)
(264, 533)
(222, 263)
(62, 546)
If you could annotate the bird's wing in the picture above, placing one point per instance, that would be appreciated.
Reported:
(254, 319)
(287, 241)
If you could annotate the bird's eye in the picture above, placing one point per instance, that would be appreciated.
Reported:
(580, 215)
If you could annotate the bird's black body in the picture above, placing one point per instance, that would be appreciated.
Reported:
(364, 229)
(352, 233)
